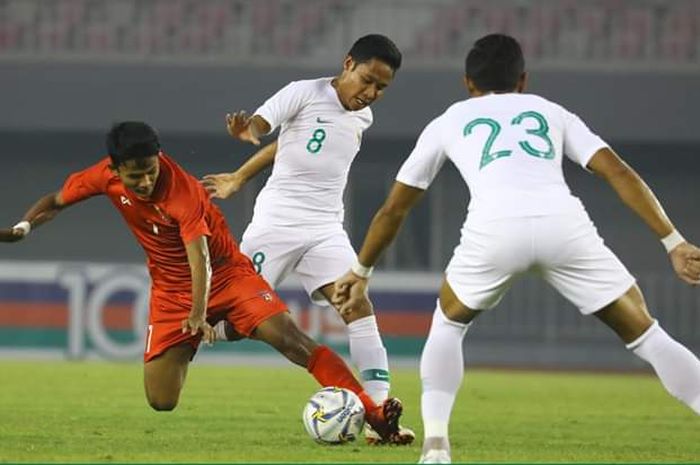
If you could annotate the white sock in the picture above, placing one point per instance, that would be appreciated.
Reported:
(220, 331)
(676, 366)
(441, 371)
(369, 356)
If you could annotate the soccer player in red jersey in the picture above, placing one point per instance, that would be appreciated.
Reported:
(198, 274)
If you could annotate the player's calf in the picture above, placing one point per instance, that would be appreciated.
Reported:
(676, 366)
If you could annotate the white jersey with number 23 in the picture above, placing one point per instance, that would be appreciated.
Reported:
(522, 216)
(509, 150)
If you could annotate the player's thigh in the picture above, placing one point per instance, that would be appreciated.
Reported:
(273, 251)
(328, 258)
(164, 376)
(246, 302)
(628, 316)
(579, 265)
(166, 313)
(489, 257)
(453, 308)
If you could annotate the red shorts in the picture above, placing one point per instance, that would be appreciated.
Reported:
(245, 301)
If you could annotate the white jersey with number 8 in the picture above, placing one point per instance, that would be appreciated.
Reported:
(317, 143)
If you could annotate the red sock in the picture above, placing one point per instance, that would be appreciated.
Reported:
(330, 370)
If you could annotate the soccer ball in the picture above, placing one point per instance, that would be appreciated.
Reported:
(333, 416)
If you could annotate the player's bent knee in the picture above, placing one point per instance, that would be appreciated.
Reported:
(457, 312)
(453, 308)
(164, 407)
(162, 404)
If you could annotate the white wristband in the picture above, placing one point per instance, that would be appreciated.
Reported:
(24, 226)
(672, 241)
(361, 270)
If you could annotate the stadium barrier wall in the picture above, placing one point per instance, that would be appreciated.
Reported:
(78, 310)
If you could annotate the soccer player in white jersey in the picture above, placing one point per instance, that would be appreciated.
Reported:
(509, 146)
(297, 225)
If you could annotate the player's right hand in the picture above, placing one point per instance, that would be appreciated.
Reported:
(11, 235)
(238, 126)
(685, 259)
(223, 185)
(350, 292)
(194, 325)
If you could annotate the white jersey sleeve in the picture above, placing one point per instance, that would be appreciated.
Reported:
(580, 143)
(426, 159)
(285, 104)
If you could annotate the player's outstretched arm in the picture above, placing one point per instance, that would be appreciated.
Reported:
(384, 227)
(224, 185)
(13, 234)
(45, 209)
(246, 128)
(200, 269)
(635, 193)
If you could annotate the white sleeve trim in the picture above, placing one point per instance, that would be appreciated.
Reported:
(284, 104)
(592, 151)
(264, 114)
(411, 182)
(426, 158)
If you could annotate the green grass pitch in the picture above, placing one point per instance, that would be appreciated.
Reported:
(96, 412)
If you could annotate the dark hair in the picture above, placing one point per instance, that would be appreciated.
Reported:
(376, 46)
(495, 62)
(131, 140)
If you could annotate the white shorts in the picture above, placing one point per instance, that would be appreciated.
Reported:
(565, 250)
(316, 256)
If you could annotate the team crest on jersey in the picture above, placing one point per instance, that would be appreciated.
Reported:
(125, 200)
(267, 296)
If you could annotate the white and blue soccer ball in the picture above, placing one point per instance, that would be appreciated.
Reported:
(333, 416)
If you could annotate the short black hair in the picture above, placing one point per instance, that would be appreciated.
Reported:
(131, 140)
(495, 63)
(376, 46)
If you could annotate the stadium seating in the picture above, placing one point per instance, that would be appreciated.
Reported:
(560, 34)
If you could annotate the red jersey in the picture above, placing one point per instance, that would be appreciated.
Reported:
(178, 211)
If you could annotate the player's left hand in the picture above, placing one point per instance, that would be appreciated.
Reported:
(238, 126)
(11, 235)
(222, 186)
(342, 288)
(350, 292)
(194, 324)
(685, 259)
